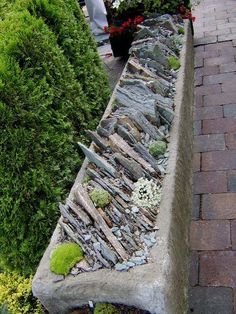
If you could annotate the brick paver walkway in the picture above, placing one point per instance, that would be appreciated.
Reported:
(213, 227)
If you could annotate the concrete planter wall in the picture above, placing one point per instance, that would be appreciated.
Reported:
(161, 286)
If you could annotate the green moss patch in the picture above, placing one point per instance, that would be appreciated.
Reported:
(104, 308)
(64, 257)
(100, 197)
(181, 30)
(174, 63)
(157, 148)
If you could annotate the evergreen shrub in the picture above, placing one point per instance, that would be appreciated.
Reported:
(44, 108)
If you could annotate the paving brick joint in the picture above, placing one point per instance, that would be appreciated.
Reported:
(213, 227)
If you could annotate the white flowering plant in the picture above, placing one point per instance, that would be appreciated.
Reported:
(147, 193)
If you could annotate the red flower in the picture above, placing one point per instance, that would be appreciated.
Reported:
(138, 20)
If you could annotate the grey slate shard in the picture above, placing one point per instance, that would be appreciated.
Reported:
(106, 252)
(97, 139)
(126, 135)
(107, 127)
(158, 87)
(134, 168)
(139, 97)
(144, 32)
(97, 160)
(142, 123)
(151, 51)
(165, 114)
(147, 156)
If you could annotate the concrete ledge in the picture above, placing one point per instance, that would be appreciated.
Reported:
(161, 286)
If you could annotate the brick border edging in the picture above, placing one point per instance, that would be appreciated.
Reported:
(161, 286)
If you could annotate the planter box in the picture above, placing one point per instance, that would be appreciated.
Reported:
(160, 286)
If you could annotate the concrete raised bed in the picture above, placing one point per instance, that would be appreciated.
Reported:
(160, 286)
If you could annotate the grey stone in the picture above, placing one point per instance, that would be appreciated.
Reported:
(87, 237)
(126, 135)
(134, 169)
(151, 51)
(153, 65)
(147, 156)
(118, 233)
(120, 267)
(114, 229)
(83, 265)
(140, 120)
(143, 33)
(97, 246)
(106, 252)
(130, 264)
(165, 114)
(137, 260)
(74, 271)
(109, 125)
(134, 209)
(159, 88)
(96, 266)
(97, 160)
(148, 243)
(97, 139)
(169, 25)
(140, 253)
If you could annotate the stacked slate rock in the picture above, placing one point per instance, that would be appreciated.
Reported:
(120, 234)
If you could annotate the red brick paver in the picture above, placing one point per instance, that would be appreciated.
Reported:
(213, 226)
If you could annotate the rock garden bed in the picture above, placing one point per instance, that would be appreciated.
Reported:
(129, 207)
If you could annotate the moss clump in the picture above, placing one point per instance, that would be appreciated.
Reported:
(64, 258)
(174, 63)
(157, 148)
(103, 308)
(100, 197)
(181, 30)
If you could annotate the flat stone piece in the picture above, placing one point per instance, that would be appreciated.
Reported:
(143, 33)
(109, 125)
(141, 121)
(211, 300)
(126, 135)
(97, 160)
(132, 166)
(97, 139)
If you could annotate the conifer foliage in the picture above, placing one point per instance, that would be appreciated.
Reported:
(52, 87)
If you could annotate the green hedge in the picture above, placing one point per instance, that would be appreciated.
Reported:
(44, 107)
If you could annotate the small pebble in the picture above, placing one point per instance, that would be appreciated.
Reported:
(134, 209)
(74, 271)
(114, 229)
(130, 264)
(87, 237)
(97, 246)
(120, 267)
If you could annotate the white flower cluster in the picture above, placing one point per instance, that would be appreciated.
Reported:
(116, 4)
(146, 193)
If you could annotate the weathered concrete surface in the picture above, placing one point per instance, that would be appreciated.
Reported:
(161, 286)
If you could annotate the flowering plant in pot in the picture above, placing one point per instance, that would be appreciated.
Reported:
(122, 34)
